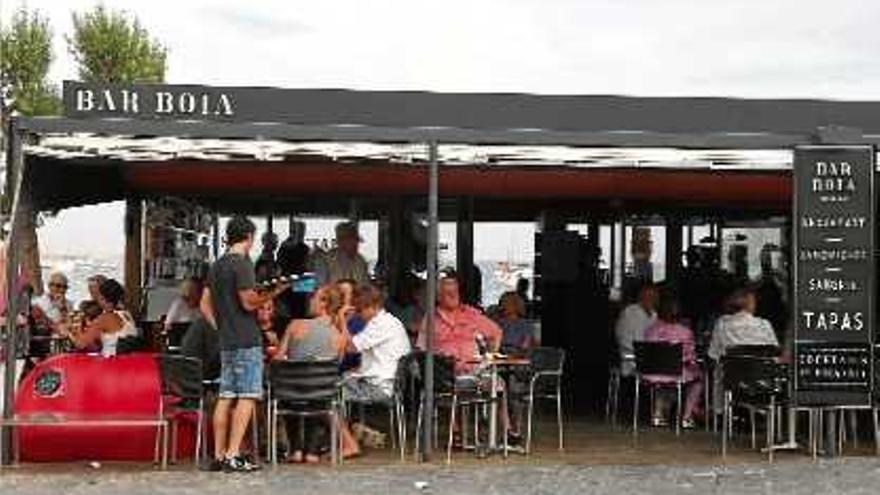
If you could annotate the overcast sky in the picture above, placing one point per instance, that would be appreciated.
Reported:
(759, 48)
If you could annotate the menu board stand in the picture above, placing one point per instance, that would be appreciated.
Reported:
(834, 275)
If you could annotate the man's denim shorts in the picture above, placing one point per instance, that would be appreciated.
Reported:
(241, 373)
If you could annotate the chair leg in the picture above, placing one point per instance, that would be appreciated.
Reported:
(771, 430)
(451, 429)
(707, 406)
(531, 412)
(334, 435)
(615, 405)
(255, 439)
(271, 441)
(559, 418)
(814, 445)
(272, 430)
(401, 428)
(678, 409)
(418, 439)
(724, 430)
(392, 428)
(165, 447)
(478, 414)
(754, 428)
(436, 429)
(636, 408)
(854, 427)
(877, 431)
(200, 431)
(173, 441)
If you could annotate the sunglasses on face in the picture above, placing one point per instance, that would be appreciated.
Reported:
(57, 286)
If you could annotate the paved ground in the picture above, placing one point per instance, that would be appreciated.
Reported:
(854, 475)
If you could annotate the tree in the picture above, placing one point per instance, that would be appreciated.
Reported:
(110, 46)
(25, 58)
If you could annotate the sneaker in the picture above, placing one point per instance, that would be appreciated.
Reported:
(240, 464)
(212, 466)
(688, 424)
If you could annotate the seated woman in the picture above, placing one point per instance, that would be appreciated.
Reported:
(668, 329)
(738, 327)
(517, 331)
(741, 326)
(317, 338)
(351, 321)
(87, 313)
(114, 323)
(185, 308)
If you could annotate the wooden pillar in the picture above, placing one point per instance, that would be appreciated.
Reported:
(134, 227)
(674, 243)
(464, 251)
(18, 203)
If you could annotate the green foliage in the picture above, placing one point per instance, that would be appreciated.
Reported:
(112, 47)
(25, 57)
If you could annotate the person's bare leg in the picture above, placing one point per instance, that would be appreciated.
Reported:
(350, 445)
(221, 427)
(241, 420)
(694, 400)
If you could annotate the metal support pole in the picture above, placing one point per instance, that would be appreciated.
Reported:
(16, 162)
(430, 302)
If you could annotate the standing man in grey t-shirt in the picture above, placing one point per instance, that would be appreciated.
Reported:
(229, 303)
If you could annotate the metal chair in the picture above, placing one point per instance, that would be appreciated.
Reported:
(545, 383)
(183, 395)
(394, 403)
(450, 392)
(174, 336)
(760, 385)
(615, 377)
(304, 389)
(658, 358)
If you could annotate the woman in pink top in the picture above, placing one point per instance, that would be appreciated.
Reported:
(667, 329)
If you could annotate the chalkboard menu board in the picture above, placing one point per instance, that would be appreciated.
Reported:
(834, 275)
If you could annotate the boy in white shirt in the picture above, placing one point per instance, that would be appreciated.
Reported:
(382, 343)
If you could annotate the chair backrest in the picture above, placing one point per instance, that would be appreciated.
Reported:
(181, 376)
(408, 370)
(130, 344)
(444, 372)
(658, 358)
(761, 351)
(544, 359)
(176, 333)
(752, 374)
(304, 381)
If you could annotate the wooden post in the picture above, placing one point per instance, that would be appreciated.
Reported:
(19, 201)
(674, 241)
(133, 270)
(464, 251)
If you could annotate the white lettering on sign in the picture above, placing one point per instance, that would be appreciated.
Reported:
(833, 177)
(124, 101)
(85, 100)
(189, 104)
(186, 103)
(833, 320)
(833, 222)
(128, 101)
(164, 102)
